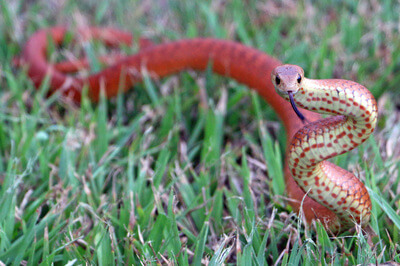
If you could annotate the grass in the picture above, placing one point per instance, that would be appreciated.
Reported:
(188, 169)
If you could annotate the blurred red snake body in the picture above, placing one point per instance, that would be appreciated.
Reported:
(319, 188)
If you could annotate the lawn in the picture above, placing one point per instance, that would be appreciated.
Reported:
(188, 169)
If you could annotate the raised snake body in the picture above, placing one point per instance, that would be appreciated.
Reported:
(335, 197)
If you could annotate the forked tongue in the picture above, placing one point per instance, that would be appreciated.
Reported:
(300, 115)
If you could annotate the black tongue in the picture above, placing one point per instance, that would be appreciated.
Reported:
(300, 115)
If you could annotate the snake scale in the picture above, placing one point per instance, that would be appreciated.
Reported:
(321, 189)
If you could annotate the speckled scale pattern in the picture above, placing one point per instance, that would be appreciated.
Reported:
(355, 117)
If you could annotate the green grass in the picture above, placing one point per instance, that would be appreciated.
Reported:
(164, 174)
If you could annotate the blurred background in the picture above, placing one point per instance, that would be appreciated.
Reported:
(163, 175)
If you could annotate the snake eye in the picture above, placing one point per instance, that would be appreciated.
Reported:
(299, 79)
(277, 80)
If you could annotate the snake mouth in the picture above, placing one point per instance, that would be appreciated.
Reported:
(295, 109)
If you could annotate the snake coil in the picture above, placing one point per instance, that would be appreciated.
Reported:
(334, 196)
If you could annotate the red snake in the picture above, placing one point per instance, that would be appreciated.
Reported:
(334, 196)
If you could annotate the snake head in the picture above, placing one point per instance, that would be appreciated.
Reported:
(287, 80)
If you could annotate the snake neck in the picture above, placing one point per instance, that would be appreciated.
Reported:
(355, 116)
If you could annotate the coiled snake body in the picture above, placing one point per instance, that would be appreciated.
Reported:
(334, 196)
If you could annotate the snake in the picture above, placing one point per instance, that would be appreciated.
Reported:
(316, 188)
